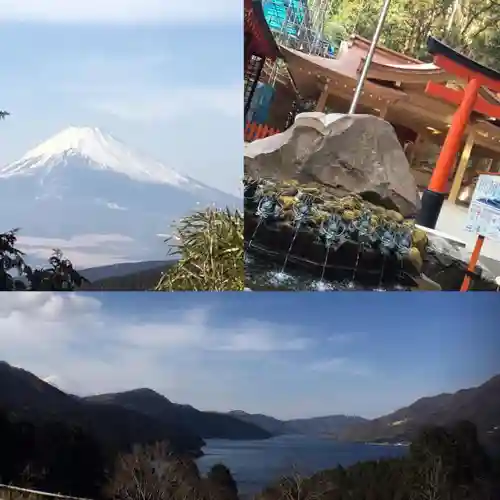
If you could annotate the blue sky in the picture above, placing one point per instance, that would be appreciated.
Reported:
(163, 76)
(287, 355)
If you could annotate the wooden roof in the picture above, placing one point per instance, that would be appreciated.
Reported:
(395, 81)
(255, 23)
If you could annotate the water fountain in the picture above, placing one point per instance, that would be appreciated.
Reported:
(285, 218)
(333, 235)
(268, 208)
(387, 244)
(302, 210)
(365, 237)
(403, 244)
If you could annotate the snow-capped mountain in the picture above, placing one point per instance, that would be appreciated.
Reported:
(105, 152)
(89, 194)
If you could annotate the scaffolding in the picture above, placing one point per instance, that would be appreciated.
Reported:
(300, 24)
(295, 24)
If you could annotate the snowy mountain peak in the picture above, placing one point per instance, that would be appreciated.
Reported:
(84, 140)
(102, 152)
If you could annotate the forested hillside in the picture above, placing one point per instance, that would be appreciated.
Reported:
(472, 26)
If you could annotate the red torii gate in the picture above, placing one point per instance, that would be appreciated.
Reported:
(468, 100)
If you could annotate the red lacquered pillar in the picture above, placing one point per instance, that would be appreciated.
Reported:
(433, 197)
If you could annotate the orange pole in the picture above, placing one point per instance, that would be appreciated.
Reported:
(453, 140)
(472, 263)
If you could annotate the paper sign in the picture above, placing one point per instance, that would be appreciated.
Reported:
(484, 211)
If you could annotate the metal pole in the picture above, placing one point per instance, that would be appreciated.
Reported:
(369, 57)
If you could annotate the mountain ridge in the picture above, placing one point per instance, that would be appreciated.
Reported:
(479, 404)
(123, 269)
(84, 183)
(100, 147)
(324, 425)
(208, 424)
(27, 397)
(148, 414)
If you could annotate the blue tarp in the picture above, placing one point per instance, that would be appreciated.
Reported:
(261, 101)
(275, 12)
(279, 19)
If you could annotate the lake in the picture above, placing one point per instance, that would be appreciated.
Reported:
(256, 464)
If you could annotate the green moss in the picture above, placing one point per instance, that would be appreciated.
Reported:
(351, 207)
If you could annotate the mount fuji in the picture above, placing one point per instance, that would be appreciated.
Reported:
(100, 202)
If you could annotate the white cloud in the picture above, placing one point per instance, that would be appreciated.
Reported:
(33, 324)
(135, 88)
(47, 307)
(115, 206)
(343, 338)
(340, 365)
(54, 380)
(80, 241)
(87, 250)
(121, 11)
(260, 340)
(71, 341)
(128, 88)
(149, 104)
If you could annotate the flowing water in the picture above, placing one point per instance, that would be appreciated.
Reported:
(262, 274)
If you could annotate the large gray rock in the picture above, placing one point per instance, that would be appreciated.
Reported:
(352, 153)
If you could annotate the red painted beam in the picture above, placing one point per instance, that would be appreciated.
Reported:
(455, 97)
(256, 24)
(453, 139)
(466, 74)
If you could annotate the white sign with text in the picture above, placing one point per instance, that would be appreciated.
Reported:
(484, 211)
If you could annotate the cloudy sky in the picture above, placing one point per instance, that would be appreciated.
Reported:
(163, 76)
(287, 355)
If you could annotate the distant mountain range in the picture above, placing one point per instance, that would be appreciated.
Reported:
(480, 405)
(98, 200)
(26, 397)
(206, 424)
(143, 415)
(330, 425)
(121, 419)
(123, 269)
(127, 276)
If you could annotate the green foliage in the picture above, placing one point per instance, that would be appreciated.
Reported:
(471, 26)
(334, 32)
(16, 275)
(209, 243)
(210, 246)
(154, 473)
(442, 464)
(50, 457)
(222, 483)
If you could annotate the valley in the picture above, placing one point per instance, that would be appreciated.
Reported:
(143, 415)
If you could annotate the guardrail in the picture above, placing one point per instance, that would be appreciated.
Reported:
(9, 492)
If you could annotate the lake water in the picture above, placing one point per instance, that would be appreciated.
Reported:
(256, 464)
